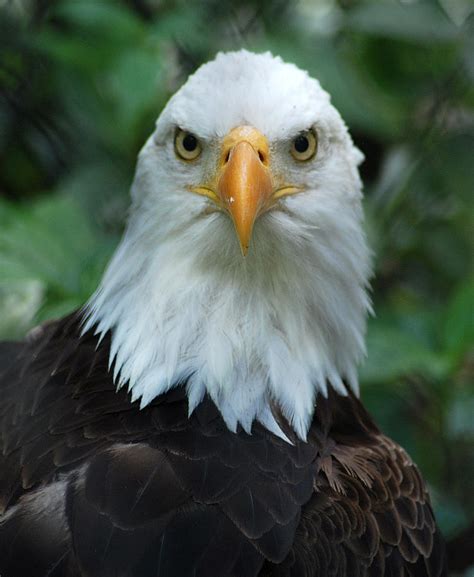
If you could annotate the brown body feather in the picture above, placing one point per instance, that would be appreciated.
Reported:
(92, 486)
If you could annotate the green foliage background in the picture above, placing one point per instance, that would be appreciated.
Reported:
(81, 83)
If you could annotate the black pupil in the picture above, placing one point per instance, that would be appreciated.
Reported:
(301, 143)
(189, 142)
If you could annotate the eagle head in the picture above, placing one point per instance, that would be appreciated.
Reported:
(243, 270)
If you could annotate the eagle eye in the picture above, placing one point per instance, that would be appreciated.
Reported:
(186, 145)
(304, 146)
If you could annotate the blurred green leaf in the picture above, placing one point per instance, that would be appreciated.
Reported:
(419, 22)
(451, 515)
(109, 20)
(459, 324)
(50, 256)
(460, 422)
(394, 353)
(19, 304)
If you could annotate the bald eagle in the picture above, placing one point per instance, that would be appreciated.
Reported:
(200, 416)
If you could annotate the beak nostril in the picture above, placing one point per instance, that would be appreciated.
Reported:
(262, 157)
(227, 156)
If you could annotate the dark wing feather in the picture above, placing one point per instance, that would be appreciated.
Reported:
(370, 513)
(115, 490)
(92, 485)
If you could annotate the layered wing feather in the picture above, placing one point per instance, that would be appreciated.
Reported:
(91, 485)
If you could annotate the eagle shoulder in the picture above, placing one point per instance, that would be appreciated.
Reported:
(370, 513)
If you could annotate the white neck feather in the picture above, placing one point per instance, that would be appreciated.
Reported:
(278, 326)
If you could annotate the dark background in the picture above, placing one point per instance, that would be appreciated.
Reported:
(81, 84)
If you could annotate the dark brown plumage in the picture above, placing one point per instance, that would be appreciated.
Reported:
(92, 486)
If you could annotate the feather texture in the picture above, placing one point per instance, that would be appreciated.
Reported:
(178, 298)
(90, 485)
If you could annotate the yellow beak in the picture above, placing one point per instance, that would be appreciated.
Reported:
(244, 185)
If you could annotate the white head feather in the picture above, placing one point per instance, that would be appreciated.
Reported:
(182, 303)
